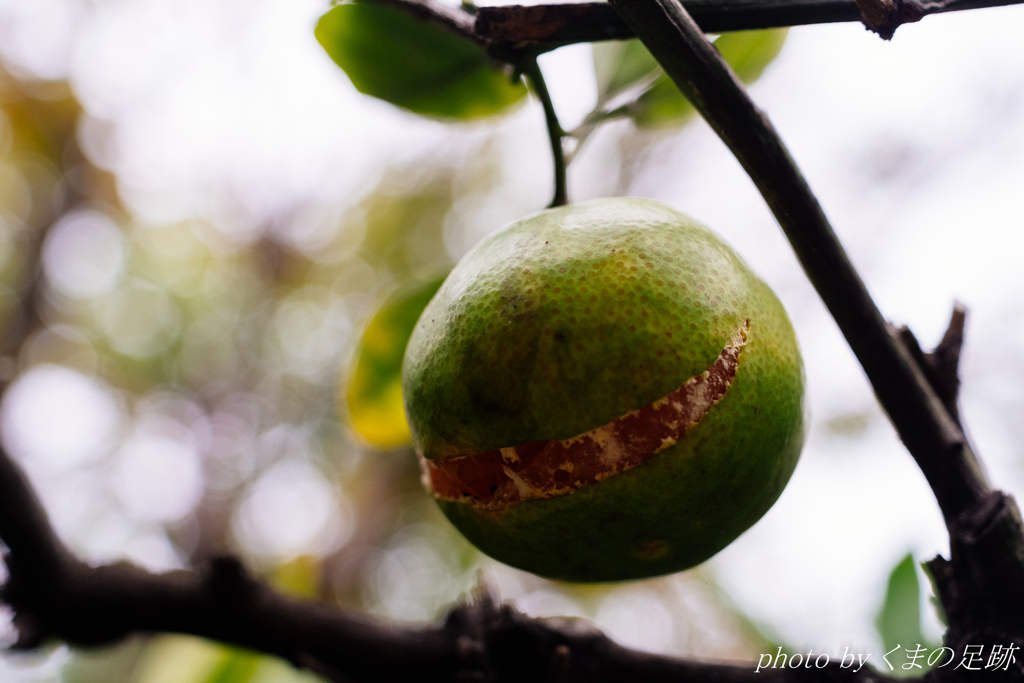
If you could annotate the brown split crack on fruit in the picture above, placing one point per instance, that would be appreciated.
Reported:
(543, 469)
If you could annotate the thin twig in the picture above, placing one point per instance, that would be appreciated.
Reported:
(555, 132)
(943, 363)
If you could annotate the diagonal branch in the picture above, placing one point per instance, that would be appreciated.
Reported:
(925, 426)
(982, 585)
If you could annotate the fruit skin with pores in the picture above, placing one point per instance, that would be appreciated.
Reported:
(574, 334)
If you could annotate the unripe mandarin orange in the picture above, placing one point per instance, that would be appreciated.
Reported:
(603, 392)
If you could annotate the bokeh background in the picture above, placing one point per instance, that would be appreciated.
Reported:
(217, 214)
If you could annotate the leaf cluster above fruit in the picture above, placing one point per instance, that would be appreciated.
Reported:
(631, 84)
(434, 71)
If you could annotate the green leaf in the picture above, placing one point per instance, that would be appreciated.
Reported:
(662, 105)
(899, 620)
(374, 393)
(423, 67)
(620, 66)
(749, 52)
(239, 666)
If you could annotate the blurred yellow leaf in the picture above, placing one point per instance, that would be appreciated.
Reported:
(300, 576)
(184, 659)
(374, 394)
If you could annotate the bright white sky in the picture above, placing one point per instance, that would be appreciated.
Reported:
(916, 148)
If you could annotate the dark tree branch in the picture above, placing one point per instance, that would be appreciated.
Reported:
(982, 585)
(552, 26)
(561, 24)
(438, 13)
(885, 16)
(512, 32)
(54, 595)
(555, 132)
(942, 365)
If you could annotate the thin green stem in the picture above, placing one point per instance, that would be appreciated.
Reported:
(555, 132)
(581, 133)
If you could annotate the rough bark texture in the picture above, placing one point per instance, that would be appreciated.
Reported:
(545, 27)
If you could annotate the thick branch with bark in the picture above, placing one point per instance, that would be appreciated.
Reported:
(546, 27)
(55, 595)
(986, 533)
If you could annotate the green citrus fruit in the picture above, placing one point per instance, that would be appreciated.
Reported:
(603, 392)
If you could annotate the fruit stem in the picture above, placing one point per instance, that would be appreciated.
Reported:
(532, 71)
